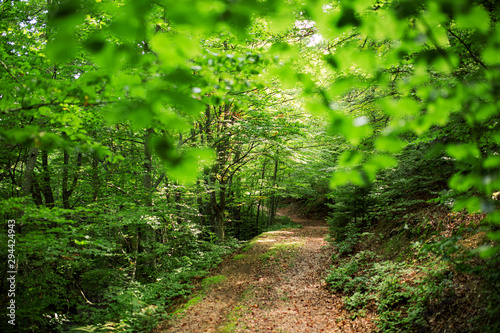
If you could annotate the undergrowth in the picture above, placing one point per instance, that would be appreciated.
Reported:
(405, 255)
(400, 293)
(414, 287)
(139, 306)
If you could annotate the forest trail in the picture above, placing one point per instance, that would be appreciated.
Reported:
(274, 285)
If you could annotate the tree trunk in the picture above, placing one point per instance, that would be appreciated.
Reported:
(272, 198)
(218, 209)
(178, 203)
(46, 184)
(95, 179)
(27, 183)
(36, 193)
(67, 191)
(148, 170)
(261, 188)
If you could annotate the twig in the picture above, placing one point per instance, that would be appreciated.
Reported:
(11, 74)
(468, 49)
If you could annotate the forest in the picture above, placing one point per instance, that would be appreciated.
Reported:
(145, 142)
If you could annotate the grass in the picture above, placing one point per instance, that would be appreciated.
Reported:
(281, 251)
(240, 256)
(205, 284)
(250, 244)
(232, 319)
(192, 301)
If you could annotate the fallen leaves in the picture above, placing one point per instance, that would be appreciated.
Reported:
(284, 293)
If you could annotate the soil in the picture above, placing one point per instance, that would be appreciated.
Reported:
(274, 285)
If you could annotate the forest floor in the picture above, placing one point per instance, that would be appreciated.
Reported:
(274, 284)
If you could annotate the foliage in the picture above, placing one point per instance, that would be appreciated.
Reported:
(349, 216)
(401, 294)
(139, 136)
(465, 260)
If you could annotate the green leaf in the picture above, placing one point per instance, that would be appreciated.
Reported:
(200, 16)
(491, 162)
(483, 112)
(383, 25)
(166, 150)
(286, 74)
(346, 18)
(488, 251)
(377, 163)
(137, 113)
(63, 17)
(475, 18)
(174, 50)
(350, 158)
(348, 57)
(472, 205)
(343, 177)
(168, 118)
(61, 47)
(463, 182)
(284, 51)
(463, 151)
(344, 85)
(353, 130)
(494, 235)
(389, 144)
(187, 168)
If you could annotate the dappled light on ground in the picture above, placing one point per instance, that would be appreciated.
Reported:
(266, 240)
(275, 286)
(279, 232)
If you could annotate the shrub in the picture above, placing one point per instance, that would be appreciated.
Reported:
(399, 293)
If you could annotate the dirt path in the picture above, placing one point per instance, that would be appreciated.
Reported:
(274, 285)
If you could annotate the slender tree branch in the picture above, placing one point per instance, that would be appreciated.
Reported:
(10, 73)
(468, 49)
(155, 185)
(341, 41)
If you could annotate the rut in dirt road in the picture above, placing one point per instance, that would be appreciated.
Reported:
(276, 285)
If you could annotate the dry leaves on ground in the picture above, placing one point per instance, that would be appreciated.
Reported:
(276, 286)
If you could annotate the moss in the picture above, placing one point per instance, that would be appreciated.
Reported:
(192, 301)
(205, 283)
(212, 280)
(280, 248)
(232, 319)
(249, 244)
(233, 316)
(240, 256)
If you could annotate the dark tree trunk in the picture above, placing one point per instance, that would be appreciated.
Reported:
(67, 190)
(95, 179)
(147, 180)
(272, 199)
(36, 193)
(46, 184)
(259, 205)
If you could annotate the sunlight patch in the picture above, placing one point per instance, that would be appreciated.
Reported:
(280, 232)
(266, 240)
